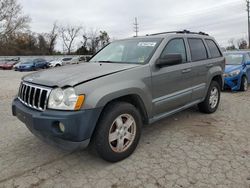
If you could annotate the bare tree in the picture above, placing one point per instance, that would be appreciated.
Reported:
(104, 38)
(85, 39)
(51, 38)
(231, 44)
(242, 43)
(11, 18)
(42, 44)
(93, 41)
(68, 35)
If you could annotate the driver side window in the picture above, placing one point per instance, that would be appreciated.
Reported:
(176, 46)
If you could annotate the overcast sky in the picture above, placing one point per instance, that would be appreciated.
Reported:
(224, 19)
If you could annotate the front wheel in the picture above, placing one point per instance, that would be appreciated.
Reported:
(118, 132)
(244, 84)
(212, 100)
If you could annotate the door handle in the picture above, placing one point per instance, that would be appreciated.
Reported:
(210, 65)
(186, 71)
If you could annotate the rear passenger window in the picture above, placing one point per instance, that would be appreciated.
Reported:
(213, 48)
(176, 46)
(197, 49)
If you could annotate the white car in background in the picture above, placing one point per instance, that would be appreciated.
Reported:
(67, 61)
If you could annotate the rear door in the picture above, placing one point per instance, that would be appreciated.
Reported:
(171, 84)
(202, 61)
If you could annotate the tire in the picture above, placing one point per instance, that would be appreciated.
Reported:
(244, 84)
(212, 100)
(57, 65)
(105, 144)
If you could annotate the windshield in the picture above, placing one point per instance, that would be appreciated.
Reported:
(134, 51)
(234, 59)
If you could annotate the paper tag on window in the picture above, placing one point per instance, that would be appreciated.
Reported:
(146, 44)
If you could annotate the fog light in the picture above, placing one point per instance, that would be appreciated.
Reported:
(61, 127)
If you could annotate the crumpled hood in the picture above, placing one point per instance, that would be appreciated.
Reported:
(230, 68)
(75, 74)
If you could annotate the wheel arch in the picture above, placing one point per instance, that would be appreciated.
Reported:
(244, 74)
(219, 80)
(133, 99)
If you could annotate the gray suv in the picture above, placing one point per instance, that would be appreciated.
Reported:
(129, 83)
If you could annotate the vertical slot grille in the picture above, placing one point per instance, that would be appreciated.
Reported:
(33, 96)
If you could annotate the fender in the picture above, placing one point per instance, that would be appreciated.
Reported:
(101, 96)
(213, 72)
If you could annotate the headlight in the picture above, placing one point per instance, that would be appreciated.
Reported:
(232, 74)
(65, 99)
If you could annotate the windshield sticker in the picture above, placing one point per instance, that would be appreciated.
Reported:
(146, 44)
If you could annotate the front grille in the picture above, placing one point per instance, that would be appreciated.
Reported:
(34, 96)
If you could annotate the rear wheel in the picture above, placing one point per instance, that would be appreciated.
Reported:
(118, 132)
(212, 100)
(244, 84)
(57, 65)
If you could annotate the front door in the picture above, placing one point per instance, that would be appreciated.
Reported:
(171, 84)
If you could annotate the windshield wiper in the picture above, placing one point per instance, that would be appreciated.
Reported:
(106, 61)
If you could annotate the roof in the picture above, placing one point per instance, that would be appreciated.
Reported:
(180, 32)
(176, 33)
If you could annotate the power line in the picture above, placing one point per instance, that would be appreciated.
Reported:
(210, 9)
(228, 20)
(136, 27)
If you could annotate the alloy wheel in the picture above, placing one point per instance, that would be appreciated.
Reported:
(122, 133)
(214, 97)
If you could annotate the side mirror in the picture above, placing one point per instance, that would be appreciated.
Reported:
(168, 60)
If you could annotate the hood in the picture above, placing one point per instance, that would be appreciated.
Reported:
(230, 68)
(75, 74)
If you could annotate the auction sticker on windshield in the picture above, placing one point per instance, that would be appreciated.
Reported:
(147, 44)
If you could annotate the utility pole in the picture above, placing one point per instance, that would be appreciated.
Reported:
(248, 21)
(136, 27)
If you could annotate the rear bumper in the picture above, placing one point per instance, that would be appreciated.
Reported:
(79, 126)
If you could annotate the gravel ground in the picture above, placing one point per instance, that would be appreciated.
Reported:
(188, 149)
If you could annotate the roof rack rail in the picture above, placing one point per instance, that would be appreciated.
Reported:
(179, 32)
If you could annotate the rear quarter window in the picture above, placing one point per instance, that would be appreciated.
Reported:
(197, 49)
(213, 48)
